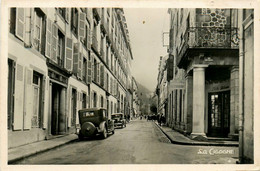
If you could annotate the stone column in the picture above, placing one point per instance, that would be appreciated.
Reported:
(234, 102)
(188, 104)
(62, 111)
(198, 123)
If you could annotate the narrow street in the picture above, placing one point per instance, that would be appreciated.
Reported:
(141, 142)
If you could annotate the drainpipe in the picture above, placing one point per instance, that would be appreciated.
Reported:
(241, 91)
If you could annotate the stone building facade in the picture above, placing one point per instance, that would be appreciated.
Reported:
(246, 87)
(61, 60)
(204, 44)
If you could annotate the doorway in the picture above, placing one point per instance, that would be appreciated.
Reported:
(219, 114)
(58, 117)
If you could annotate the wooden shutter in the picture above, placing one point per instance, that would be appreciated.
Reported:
(89, 38)
(48, 39)
(89, 71)
(27, 39)
(18, 101)
(98, 73)
(20, 23)
(75, 58)
(45, 101)
(54, 42)
(82, 18)
(28, 99)
(68, 54)
(80, 65)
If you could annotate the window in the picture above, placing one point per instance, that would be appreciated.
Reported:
(111, 62)
(62, 12)
(107, 85)
(37, 88)
(39, 30)
(61, 49)
(84, 70)
(85, 40)
(84, 100)
(10, 98)
(95, 99)
(101, 101)
(12, 20)
(95, 70)
(74, 21)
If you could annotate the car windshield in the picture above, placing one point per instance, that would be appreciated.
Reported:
(117, 116)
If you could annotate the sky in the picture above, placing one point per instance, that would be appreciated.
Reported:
(146, 27)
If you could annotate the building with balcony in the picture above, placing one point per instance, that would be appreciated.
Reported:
(61, 60)
(204, 44)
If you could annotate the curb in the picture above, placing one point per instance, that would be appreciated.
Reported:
(194, 143)
(12, 161)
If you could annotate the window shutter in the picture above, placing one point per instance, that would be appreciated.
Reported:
(45, 103)
(75, 58)
(27, 39)
(80, 65)
(82, 18)
(89, 71)
(111, 85)
(68, 54)
(48, 39)
(18, 101)
(105, 80)
(67, 13)
(29, 99)
(54, 42)
(20, 23)
(98, 73)
(89, 38)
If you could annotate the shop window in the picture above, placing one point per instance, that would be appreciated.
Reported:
(95, 99)
(10, 98)
(101, 101)
(74, 21)
(84, 100)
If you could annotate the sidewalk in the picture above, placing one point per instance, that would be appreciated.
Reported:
(18, 153)
(178, 138)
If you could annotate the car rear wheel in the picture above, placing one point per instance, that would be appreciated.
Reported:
(104, 133)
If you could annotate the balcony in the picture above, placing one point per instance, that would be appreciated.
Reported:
(208, 38)
(95, 42)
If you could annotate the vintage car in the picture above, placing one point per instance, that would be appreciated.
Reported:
(119, 119)
(95, 121)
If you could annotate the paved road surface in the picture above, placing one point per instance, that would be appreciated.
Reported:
(141, 142)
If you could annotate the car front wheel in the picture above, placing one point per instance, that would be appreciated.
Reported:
(104, 133)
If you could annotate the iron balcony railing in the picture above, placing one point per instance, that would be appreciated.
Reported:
(209, 37)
